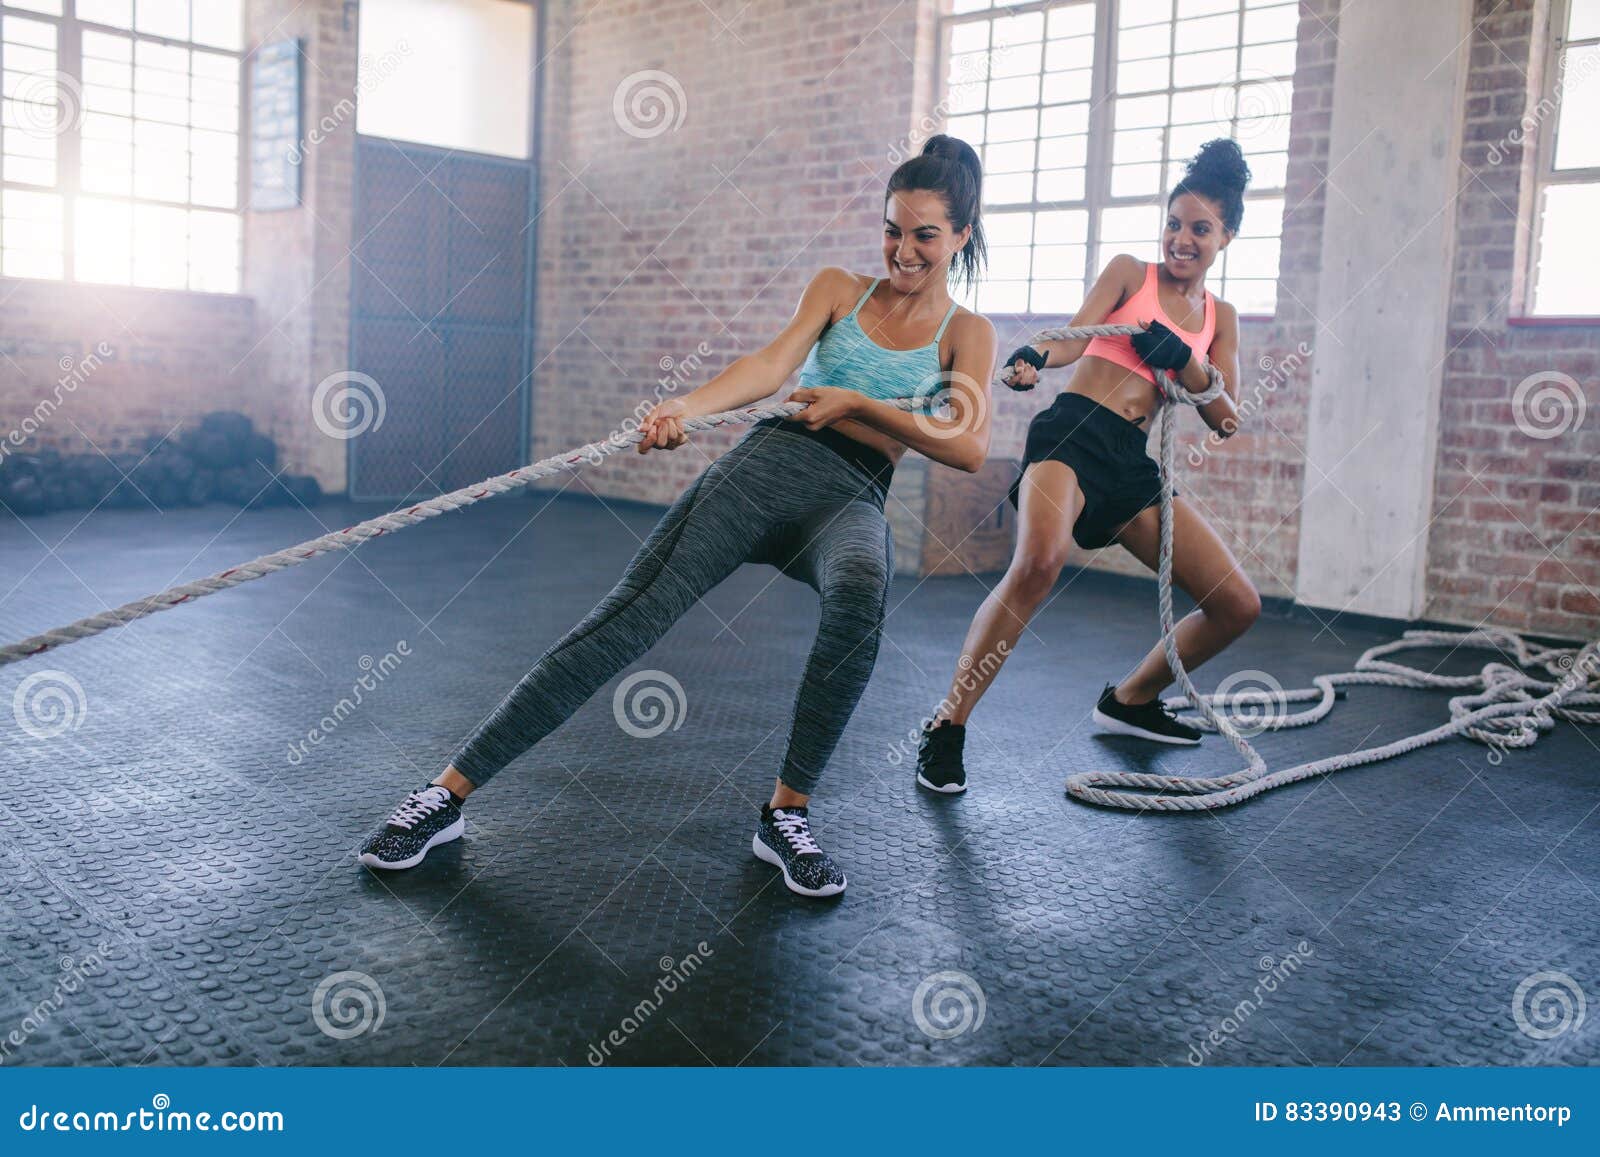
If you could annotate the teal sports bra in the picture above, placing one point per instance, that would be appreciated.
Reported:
(845, 357)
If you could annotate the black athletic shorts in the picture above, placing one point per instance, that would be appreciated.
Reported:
(1106, 452)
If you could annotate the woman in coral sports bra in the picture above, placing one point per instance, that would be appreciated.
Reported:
(1087, 477)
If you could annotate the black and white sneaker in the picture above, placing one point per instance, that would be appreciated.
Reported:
(1152, 720)
(784, 840)
(426, 818)
(939, 766)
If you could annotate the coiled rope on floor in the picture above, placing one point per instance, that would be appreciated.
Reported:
(1506, 707)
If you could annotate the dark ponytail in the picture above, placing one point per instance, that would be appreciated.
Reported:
(949, 166)
(1219, 173)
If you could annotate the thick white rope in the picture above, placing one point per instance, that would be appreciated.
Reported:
(1507, 707)
(411, 515)
(384, 524)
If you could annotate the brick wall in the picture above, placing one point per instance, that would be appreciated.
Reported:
(296, 261)
(706, 233)
(1516, 536)
(171, 357)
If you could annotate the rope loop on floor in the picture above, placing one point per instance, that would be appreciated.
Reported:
(1504, 707)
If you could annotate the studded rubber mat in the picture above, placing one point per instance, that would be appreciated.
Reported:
(183, 807)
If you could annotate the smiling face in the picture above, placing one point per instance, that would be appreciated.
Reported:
(1193, 236)
(918, 240)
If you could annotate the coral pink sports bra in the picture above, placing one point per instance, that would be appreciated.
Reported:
(1140, 308)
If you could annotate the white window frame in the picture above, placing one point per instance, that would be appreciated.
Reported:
(69, 63)
(1545, 172)
(1101, 135)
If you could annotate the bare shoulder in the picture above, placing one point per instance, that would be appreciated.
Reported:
(969, 329)
(1128, 270)
(1227, 315)
(836, 281)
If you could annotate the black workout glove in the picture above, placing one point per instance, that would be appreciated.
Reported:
(1161, 349)
(1024, 354)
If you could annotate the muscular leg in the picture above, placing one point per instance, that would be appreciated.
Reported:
(846, 554)
(1049, 503)
(1203, 568)
(705, 536)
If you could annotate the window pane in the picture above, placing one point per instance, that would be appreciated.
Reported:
(1563, 283)
(1583, 19)
(160, 247)
(118, 13)
(1577, 139)
(104, 246)
(1008, 228)
(1264, 24)
(1064, 226)
(455, 73)
(168, 18)
(1009, 189)
(48, 7)
(1003, 297)
(219, 23)
(214, 251)
(1057, 297)
(1061, 185)
(1257, 297)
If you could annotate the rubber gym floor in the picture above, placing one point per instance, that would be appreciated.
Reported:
(178, 885)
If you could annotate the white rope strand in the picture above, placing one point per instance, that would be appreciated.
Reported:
(411, 515)
(384, 524)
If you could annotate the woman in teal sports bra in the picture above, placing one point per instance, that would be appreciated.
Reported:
(804, 495)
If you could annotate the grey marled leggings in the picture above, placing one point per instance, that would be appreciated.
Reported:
(776, 497)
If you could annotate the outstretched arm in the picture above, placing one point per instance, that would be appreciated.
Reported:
(1121, 272)
(754, 376)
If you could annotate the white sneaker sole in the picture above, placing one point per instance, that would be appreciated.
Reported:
(442, 836)
(1118, 727)
(769, 856)
(947, 789)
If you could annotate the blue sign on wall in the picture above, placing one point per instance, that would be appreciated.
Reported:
(275, 147)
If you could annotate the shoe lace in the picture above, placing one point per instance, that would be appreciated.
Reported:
(418, 805)
(797, 831)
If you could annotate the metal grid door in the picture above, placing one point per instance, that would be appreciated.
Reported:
(441, 316)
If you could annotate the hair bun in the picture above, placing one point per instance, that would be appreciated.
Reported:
(1219, 162)
(950, 148)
